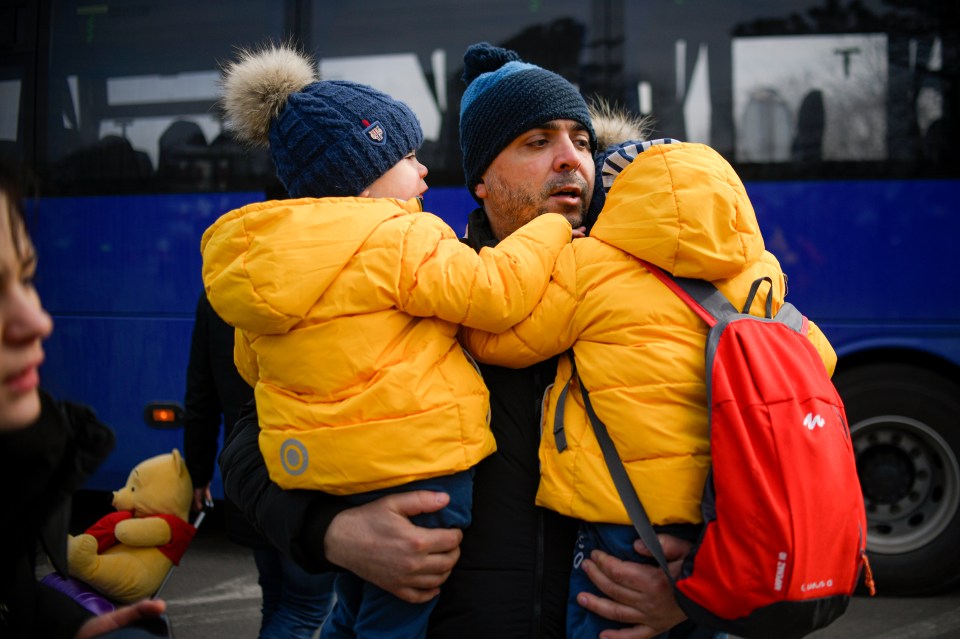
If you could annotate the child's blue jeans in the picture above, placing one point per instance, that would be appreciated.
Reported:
(295, 602)
(364, 610)
(616, 540)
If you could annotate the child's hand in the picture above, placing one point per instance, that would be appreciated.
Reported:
(580, 231)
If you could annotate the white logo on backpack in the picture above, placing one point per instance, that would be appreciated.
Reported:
(811, 421)
(816, 585)
(781, 570)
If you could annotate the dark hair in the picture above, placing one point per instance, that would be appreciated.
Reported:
(11, 188)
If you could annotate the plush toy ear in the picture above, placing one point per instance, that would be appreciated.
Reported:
(178, 462)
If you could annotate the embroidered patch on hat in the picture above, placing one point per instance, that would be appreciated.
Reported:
(376, 132)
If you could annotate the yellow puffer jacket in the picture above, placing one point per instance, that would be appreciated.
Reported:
(347, 311)
(639, 348)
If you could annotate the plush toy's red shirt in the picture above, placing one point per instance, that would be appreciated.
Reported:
(181, 533)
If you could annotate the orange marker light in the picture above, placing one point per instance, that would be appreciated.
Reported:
(163, 415)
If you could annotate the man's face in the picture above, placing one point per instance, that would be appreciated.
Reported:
(548, 169)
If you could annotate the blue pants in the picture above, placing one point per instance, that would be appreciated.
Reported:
(295, 602)
(616, 540)
(366, 611)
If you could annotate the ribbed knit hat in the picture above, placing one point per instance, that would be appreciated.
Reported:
(327, 138)
(504, 98)
(618, 157)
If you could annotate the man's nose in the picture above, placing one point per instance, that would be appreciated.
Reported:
(567, 158)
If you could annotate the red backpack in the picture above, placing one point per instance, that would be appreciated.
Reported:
(784, 537)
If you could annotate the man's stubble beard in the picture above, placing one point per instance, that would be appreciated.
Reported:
(514, 208)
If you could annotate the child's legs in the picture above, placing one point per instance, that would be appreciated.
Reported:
(295, 602)
(455, 515)
(383, 616)
(340, 624)
(617, 540)
(364, 610)
(614, 539)
(269, 576)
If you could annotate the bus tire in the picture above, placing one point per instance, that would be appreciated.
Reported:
(905, 427)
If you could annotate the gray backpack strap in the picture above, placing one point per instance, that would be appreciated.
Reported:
(629, 497)
(558, 431)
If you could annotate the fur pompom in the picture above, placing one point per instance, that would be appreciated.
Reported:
(255, 88)
(614, 125)
(484, 57)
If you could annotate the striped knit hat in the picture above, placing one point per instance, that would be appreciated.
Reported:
(619, 156)
(504, 98)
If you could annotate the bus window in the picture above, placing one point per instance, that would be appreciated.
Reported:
(810, 98)
(9, 111)
(131, 111)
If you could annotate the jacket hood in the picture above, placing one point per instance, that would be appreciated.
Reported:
(275, 259)
(683, 208)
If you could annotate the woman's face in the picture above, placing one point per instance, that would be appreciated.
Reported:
(23, 323)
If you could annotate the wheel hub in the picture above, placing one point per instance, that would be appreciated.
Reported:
(910, 482)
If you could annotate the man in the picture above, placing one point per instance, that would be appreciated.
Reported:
(528, 145)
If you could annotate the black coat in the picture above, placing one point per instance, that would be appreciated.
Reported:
(215, 393)
(511, 580)
(40, 467)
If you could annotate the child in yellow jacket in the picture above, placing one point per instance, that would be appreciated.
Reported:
(638, 347)
(347, 300)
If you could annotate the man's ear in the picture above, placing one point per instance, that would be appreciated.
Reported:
(364, 193)
(480, 190)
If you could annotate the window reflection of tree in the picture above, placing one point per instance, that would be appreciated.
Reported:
(913, 28)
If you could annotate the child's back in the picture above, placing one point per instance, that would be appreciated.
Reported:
(348, 310)
(639, 349)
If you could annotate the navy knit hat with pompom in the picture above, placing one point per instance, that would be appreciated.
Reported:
(505, 97)
(327, 138)
(335, 138)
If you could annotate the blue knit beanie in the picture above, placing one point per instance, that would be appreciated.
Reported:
(327, 138)
(504, 98)
(336, 138)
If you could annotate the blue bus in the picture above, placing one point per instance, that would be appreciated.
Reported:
(840, 115)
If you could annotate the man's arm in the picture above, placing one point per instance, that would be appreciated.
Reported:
(202, 409)
(638, 594)
(375, 541)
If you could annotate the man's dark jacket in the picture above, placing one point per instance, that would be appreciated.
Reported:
(215, 392)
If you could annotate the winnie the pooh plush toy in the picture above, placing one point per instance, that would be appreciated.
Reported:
(127, 554)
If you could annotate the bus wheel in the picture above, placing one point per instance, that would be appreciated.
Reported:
(905, 426)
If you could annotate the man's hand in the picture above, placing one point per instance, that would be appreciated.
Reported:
(201, 496)
(580, 231)
(120, 618)
(379, 544)
(638, 594)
